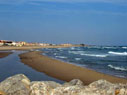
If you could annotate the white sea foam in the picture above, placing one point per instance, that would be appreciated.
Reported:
(117, 68)
(109, 47)
(55, 53)
(77, 52)
(118, 53)
(72, 48)
(63, 57)
(60, 49)
(97, 47)
(96, 55)
(83, 53)
(77, 59)
(124, 47)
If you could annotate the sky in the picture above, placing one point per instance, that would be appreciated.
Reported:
(94, 22)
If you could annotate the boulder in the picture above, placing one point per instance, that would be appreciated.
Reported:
(76, 82)
(43, 88)
(73, 82)
(70, 90)
(21, 85)
(2, 93)
(15, 85)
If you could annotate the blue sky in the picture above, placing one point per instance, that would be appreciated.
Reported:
(100, 22)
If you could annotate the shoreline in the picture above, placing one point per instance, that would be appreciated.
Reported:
(5, 54)
(64, 71)
(3, 48)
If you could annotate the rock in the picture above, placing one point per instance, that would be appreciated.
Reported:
(2, 93)
(15, 85)
(103, 87)
(102, 84)
(74, 82)
(43, 88)
(122, 91)
(126, 92)
(71, 90)
(20, 85)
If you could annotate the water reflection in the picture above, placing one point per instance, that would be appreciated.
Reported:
(11, 65)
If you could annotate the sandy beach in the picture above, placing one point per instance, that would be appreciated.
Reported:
(4, 54)
(2, 48)
(64, 71)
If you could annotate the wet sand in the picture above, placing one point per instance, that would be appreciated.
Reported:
(4, 54)
(64, 71)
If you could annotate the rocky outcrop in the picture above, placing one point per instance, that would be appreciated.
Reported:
(21, 85)
(43, 88)
(15, 85)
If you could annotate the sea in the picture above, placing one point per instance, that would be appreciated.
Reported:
(111, 60)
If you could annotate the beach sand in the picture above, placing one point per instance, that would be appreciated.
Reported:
(31, 47)
(4, 54)
(64, 71)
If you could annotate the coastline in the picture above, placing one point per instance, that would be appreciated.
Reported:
(4, 54)
(3, 48)
(64, 71)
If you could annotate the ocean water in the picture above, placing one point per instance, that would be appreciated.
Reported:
(110, 60)
(11, 65)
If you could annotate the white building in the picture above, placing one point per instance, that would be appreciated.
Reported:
(16, 44)
(1, 44)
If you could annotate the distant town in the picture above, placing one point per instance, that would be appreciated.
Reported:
(22, 43)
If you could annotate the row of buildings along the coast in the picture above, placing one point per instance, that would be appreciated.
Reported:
(11, 43)
(22, 43)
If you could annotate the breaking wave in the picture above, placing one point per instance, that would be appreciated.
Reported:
(96, 55)
(109, 47)
(103, 47)
(63, 57)
(117, 68)
(72, 48)
(55, 53)
(83, 53)
(124, 47)
(77, 52)
(118, 53)
(77, 59)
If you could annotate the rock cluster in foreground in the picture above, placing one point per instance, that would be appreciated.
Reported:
(21, 85)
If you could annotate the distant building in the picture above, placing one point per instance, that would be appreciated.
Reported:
(66, 44)
(11, 43)
(44, 44)
(22, 43)
(1, 43)
(16, 44)
(5, 42)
